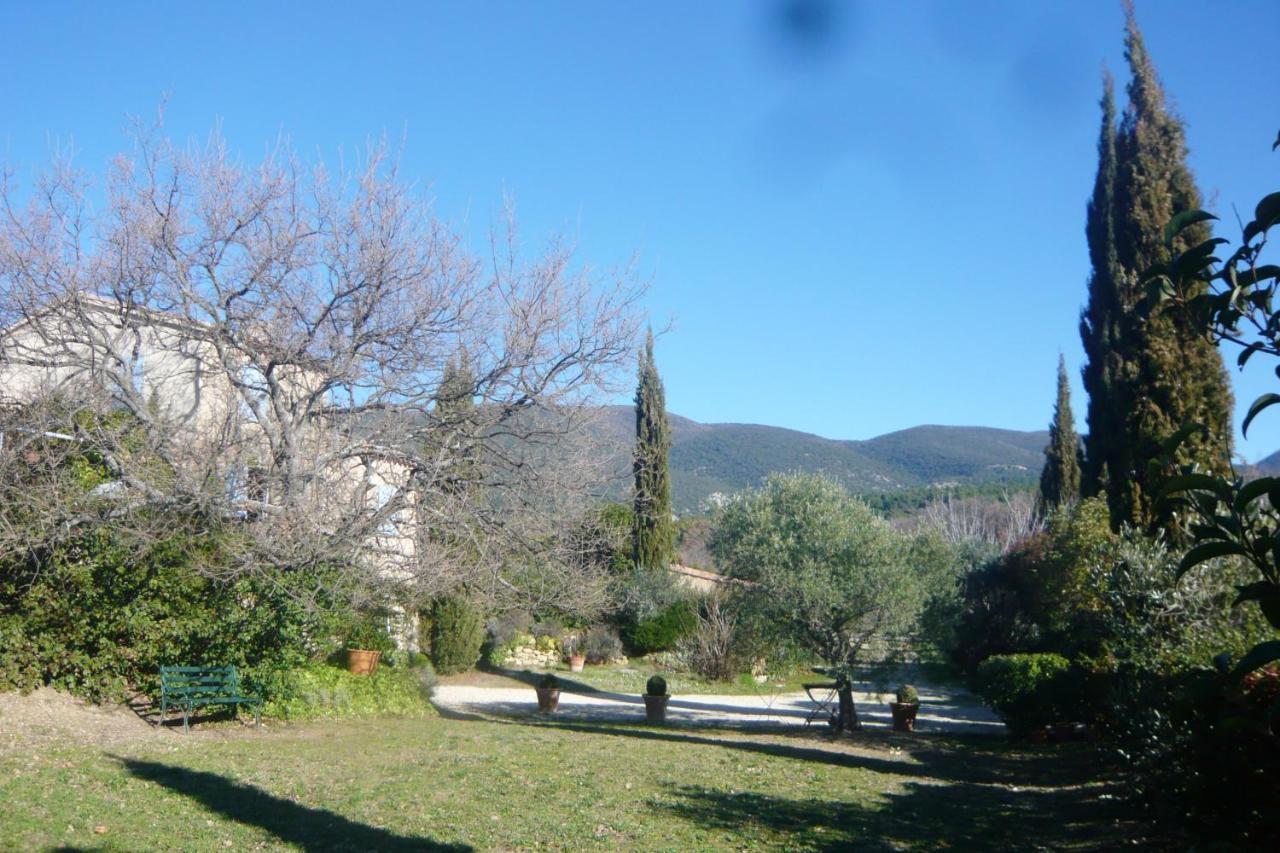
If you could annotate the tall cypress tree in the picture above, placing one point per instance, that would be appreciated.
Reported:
(455, 424)
(654, 537)
(1060, 479)
(1148, 373)
(1100, 320)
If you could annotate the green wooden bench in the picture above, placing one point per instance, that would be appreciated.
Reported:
(189, 687)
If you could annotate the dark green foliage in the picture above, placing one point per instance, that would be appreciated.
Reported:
(368, 631)
(1148, 372)
(457, 632)
(1028, 691)
(663, 631)
(1060, 478)
(455, 424)
(656, 686)
(1203, 752)
(1215, 755)
(95, 615)
(655, 537)
(549, 682)
(908, 695)
(1043, 594)
(1000, 610)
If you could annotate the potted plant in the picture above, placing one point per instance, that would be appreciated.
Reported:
(548, 691)
(365, 642)
(655, 699)
(572, 646)
(904, 710)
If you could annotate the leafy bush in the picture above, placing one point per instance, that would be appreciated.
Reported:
(368, 632)
(656, 686)
(96, 615)
(1041, 595)
(409, 660)
(664, 630)
(549, 682)
(908, 695)
(1026, 690)
(457, 632)
(601, 644)
(321, 691)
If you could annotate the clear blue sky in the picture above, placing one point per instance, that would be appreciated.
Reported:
(856, 227)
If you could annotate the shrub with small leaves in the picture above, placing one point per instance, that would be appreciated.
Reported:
(369, 633)
(907, 695)
(656, 686)
(665, 629)
(549, 682)
(457, 632)
(1028, 691)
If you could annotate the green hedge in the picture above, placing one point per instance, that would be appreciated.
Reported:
(1028, 691)
(457, 632)
(323, 691)
(95, 617)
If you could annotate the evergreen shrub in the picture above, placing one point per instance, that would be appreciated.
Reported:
(1028, 691)
(457, 633)
(368, 632)
(663, 631)
(96, 616)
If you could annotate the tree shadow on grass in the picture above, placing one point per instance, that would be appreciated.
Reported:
(960, 817)
(308, 828)
(975, 759)
(960, 792)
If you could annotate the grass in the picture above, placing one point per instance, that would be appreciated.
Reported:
(410, 784)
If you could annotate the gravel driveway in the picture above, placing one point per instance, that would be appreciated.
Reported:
(941, 710)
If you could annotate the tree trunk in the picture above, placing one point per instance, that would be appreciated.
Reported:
(847, 718)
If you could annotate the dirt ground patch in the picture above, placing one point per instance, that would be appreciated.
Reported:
(47, 717)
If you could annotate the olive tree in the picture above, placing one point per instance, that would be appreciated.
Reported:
(824, 569)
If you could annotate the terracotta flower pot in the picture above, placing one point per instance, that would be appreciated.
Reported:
(362, 661)
(548, 699)
(577, 662)
(904, 716)
(655, 708)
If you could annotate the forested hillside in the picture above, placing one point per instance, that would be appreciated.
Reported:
(725, 458)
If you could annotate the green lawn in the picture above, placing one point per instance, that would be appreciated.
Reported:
(410, 784)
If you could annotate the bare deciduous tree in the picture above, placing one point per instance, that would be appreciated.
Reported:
(277, 338)
(1001, 524)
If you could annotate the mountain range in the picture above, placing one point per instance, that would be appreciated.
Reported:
(724, 458)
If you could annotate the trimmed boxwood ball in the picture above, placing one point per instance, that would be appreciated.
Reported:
(907, 695)
(657, 686)
(549, 682)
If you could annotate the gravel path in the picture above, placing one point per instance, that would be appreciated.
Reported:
(941, 710)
